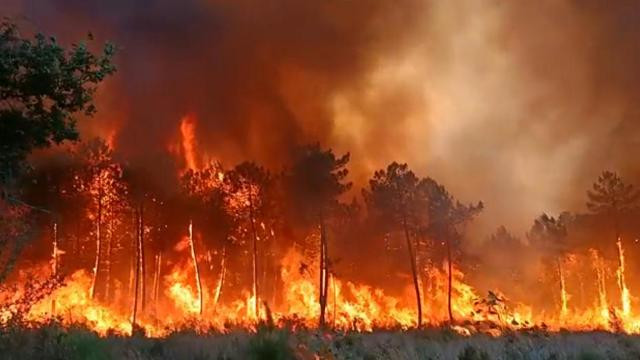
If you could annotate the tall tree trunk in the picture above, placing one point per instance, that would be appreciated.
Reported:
(264, 280)
(327, 274)
(414, 272)
(136, 276)
(134, 250)
(256, 294)
(108, 259)
(195, 266)
(335, 299)
(141, 261)
(423, 275)
(158, 272)
(275, 280)
(96, 266)
(323, 272)
(450, 276)
(156, 281)
(54, 263)
(221, 277)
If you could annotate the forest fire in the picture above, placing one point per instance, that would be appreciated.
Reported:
(218, 254)
(304, 174)
(215, 258)
(189, 281)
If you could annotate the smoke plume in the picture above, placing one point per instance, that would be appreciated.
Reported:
(519, 104)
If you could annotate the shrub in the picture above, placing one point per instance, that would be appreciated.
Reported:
(589, 355)
(471, 353)
(270, 344)
(85, 346)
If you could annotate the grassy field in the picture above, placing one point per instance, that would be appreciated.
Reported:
(54, 342)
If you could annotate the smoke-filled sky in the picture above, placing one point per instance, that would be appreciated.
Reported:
(519, 104)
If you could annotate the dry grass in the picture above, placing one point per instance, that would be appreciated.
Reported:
(54, 342)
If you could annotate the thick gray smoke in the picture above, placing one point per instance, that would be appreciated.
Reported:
(519, 104)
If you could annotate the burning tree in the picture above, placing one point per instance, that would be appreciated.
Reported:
(100, 181)
(395, 200)
(250, 185)
(612, 198)
(221, 230)
(315, 180)
(447, 218)
(549, 234)
(206, 196)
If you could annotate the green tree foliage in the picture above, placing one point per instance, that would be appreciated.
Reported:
(42, 87)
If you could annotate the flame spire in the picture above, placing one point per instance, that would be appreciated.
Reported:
(625, 298)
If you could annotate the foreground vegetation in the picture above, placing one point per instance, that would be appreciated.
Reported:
(54, 342)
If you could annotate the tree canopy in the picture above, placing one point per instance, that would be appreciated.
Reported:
(610, 195)
(43, 86)
(316, 179)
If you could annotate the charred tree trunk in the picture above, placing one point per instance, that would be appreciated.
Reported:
(450, 277)
(264, 281)
(195, 266)
(256, 294)
(156, 281)
(96, 266)
(414, 272)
